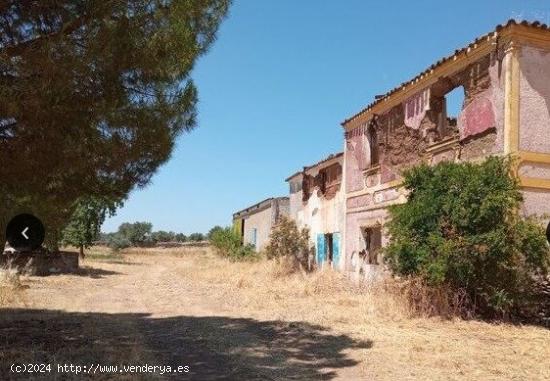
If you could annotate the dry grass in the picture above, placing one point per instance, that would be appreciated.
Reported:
(172, 251)
(405, 346)
(195, 282)
(11, 289)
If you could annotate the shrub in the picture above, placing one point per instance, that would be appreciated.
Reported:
(461, 229)
(163, 236)
(228, 244)
(196, 237)
(118, 242)
(138, 233)
(212, 231)
(287, 241)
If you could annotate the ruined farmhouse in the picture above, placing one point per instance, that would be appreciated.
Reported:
(504, 77)
(254, 223)
(317, 202)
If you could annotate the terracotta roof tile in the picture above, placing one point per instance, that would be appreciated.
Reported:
(498, 28)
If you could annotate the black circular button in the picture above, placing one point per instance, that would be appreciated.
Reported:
(25, 232)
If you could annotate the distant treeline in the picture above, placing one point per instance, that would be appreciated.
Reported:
(141, 234)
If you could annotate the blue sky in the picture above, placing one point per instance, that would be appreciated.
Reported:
(277, 83)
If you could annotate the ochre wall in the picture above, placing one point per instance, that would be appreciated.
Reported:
(262, 221)
(534, 127)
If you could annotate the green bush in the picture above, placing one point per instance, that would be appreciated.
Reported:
(461, 228)
(138, 233)
(287, 241)
(227, 243)
(212, 231)
(118, 242)
(196, 237)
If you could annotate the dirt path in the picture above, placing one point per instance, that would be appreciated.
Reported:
(245, 321)
(143, 311)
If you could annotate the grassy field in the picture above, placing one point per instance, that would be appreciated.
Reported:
(251, 321)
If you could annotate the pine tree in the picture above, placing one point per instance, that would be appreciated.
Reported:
(93, 95)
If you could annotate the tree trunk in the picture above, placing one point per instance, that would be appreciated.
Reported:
(2, 239)
(81, 251)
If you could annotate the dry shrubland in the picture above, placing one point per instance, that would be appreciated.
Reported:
(408, 341)
(10, 286)
(280, 280)
(411, 339)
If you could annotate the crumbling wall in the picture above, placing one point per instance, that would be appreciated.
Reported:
(324, 211)
(481, 146)
(407, 133)
(295, 199)
(355, 242)
(406, 130)
(357, 154)
(480, 122)
(479, 126)
(399, 146)
(325, 181)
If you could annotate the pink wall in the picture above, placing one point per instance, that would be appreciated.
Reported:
(536, 202)
(534, 100)
(486, 110)
(478, 116)
(357, 159)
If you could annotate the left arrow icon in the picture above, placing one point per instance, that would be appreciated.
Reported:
(25, 232)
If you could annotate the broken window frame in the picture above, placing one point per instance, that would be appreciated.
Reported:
(372, 138)
(371, 252)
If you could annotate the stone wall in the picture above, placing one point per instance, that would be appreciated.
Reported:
(41, 262)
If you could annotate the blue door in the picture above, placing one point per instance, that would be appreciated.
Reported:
(336, 250)
(320, 249)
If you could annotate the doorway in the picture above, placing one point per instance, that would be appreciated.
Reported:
(372, 237)
(329, 245)
(328, 249)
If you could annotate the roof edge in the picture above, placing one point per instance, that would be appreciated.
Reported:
(423, 77)
(259, 204)
(326, 159)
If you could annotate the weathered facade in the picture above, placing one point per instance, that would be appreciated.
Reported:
(505, 78)
(317, 202)
(255, 222)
